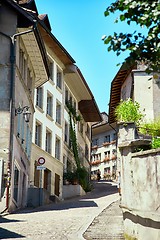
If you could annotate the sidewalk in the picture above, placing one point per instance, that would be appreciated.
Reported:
(108, 225)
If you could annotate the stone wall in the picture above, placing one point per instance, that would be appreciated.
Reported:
(72, 191)
(140, 182)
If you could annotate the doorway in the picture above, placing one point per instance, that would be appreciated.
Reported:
(57, 181)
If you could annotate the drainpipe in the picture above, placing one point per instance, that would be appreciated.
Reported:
(12, 102)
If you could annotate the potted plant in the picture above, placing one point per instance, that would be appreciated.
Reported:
(128, 116)
(70, 177)
(128, 111)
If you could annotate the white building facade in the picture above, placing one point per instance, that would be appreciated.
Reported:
(104, 149)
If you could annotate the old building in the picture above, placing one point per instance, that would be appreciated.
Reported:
(104, 149)
(51, 135)
(38, 77)
(139, 165)
(23, 66)
(133, 82)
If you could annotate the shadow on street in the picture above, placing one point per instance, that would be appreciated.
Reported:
(100, 189)
(6, 234)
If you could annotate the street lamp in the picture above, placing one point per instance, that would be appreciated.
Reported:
(25, 111)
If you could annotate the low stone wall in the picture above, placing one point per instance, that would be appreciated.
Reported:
(72, 191)
(141, 194)
(140, 186)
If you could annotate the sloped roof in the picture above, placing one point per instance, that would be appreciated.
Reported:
(79, 87)
(26, 19)
(115, 92)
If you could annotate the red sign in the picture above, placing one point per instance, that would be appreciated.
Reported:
(41, 161)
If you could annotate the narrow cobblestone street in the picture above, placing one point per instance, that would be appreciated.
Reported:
(89, 216)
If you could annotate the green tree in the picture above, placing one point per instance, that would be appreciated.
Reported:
(143, 47)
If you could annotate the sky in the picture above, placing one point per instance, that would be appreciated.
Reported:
(79, 26)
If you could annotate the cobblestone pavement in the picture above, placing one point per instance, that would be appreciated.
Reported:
(107, 225)
(67, 220)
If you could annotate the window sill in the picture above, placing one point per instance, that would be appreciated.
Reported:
(51, 81)
(58, 124)
(59, 89)
(39, 109)
(49, 117)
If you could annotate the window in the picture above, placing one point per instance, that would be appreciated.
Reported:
(28, 142)
(22, 64)
(88, 130)
(49, 104)
(38, 134)
(70, 141)
(66, 132)
(57, 148)
(107, 138)
(66, 96)
(48, 141)
(86, 151)
(18, 125)
(114, 136)
(95, 142)
(23, 126)
(75, 105)
(16, 179)
(81, 127)
(39, 100)
(51, 70)
(96, 157)
(58, 113)
(107, 154)
(59, 78)
(29, 81)
(71, 100)
(69, 165)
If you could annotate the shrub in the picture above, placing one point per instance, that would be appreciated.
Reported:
(128, 111)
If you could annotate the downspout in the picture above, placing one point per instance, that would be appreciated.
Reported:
(12, 103)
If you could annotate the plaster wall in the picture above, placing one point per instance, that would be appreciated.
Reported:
(141, 194)
(46, 121)
(126, 88)
(143, 93)
(156, 96)
(140, 187)
(51, 164)
(8, 21)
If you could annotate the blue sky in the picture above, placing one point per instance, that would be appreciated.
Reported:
(79, 26)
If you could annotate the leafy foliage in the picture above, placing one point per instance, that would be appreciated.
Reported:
(142, 47)
(81, 174)
(152, 129)
(128, 111)
(73, 119)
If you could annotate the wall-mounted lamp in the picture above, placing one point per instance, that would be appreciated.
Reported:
(25, 111)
